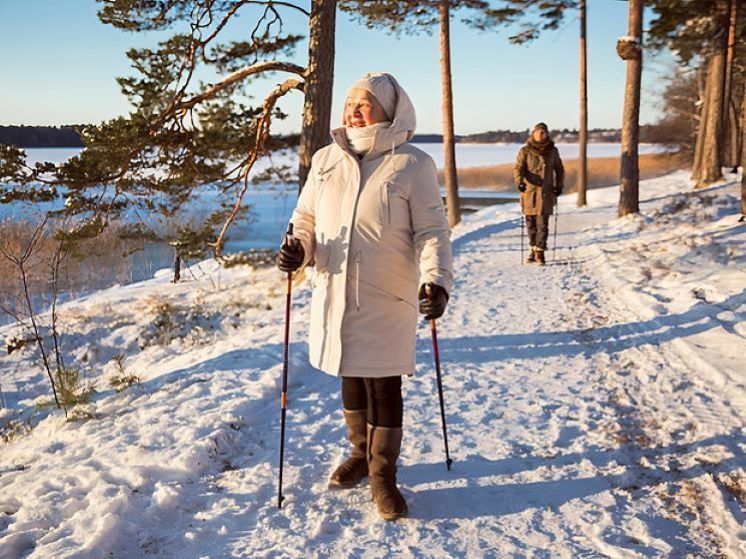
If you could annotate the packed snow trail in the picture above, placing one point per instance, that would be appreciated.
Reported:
(578, 427)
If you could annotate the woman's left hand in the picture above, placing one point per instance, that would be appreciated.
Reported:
(433, 300)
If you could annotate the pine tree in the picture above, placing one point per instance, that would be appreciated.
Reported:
(743, 156)
(183, 137)
(730, 155)
(317, 107)
(583, 136)
(630, 49)
(697, 31)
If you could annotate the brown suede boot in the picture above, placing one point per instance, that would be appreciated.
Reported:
(531, 256)
(353, 470)
(384, 444)
(540, 257)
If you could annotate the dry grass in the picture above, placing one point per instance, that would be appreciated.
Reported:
(602, 171)
(95, 260)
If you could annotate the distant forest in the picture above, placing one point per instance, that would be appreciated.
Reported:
(66, 136)
(41, 136)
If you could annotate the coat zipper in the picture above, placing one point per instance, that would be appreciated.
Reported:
(357, 279)
(387, 202)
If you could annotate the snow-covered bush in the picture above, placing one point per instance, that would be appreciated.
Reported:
(193, 325)
(122, 379)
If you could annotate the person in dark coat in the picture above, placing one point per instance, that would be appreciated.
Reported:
(539, 175)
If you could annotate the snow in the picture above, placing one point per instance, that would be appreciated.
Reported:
(595, 406)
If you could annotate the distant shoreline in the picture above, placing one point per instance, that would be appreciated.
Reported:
(66, 136)
(602, 172)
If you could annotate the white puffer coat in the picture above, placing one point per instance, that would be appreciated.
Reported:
(376, 229)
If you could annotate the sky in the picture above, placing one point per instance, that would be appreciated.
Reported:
(60, 63)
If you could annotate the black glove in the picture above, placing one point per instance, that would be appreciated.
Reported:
(290, 256)
(557, 190)
(522, 187)
(433, 305)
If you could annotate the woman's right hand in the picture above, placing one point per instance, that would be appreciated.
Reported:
(290, 256)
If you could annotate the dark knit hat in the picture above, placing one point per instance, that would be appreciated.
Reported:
(542, 126)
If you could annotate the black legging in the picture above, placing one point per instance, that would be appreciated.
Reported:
(380, 396)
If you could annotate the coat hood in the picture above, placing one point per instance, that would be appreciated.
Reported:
(400, 131)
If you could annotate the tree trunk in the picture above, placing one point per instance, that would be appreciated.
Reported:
(730, 143)
(317, 107)
(732, 156)
(707, 166)
(449, 147)
(743, 155)
(629, 195)
(177, 268)
(583, 139)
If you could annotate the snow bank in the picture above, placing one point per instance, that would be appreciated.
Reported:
(595, 406)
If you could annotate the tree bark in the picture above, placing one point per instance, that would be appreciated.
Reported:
(177, 268)
(317, 107)
(743, 155)
(449, 148)
(730, 136)
(707, 164)
(629, 195)
(583, 139)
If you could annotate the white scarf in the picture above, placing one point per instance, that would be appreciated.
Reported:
(361, 138)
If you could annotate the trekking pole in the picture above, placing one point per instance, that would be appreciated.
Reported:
(284, 398)
(554, 248)
(439, 381)
(522, 227)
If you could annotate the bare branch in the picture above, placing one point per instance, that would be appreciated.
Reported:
(238, 75)
(286, 4)
(228, 15)
(262, 134)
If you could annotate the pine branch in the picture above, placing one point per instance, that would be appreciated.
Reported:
(262, 135)
(239, 75)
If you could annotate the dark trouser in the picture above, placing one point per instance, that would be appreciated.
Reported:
(380, 396)
(538, 230)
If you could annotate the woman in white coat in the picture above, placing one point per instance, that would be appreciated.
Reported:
(371, 221)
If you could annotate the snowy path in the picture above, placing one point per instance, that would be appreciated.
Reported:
(577, 429)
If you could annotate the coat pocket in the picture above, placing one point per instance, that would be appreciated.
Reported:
(395, 207)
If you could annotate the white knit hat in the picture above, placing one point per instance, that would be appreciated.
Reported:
(382, 88)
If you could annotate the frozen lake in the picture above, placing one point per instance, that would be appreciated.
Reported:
(271, 205)
(467, 155)
(480, 155)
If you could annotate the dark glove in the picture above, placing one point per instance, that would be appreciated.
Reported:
(557, 190)
(290, 256)
(433, 305)
(522, 187)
